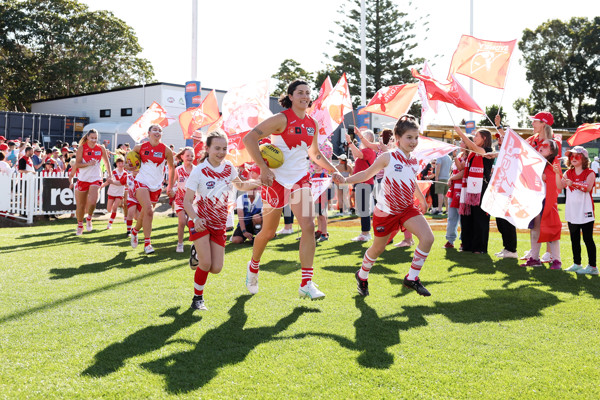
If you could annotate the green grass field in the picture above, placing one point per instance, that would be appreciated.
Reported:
(90, 317)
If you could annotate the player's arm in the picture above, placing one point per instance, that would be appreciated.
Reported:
(274, 124)
(79, 163)
(170, 164)
(188, 206)
(245, 186)
(106, 162)
(379, 164)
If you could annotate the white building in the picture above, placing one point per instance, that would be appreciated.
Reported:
(112, 112)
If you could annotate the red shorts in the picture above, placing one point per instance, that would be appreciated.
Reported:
(384, 223)
(154, 194)
(278, 196)
(216, 235)
(114, 197)
(85, 186)
(133, 203)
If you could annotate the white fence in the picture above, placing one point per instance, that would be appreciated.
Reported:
(23, 196)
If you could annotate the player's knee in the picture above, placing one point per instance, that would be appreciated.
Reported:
(426, 241)
(215, 269)
(236, 239)
(149, 212)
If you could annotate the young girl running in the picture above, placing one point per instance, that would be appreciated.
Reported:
(182, 172)
(395, 205)
(133, 207)
(149, 180)
(579, 208)
(116, 190)
(89, 178)
(211, 182)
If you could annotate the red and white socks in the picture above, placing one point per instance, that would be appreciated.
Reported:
(146, 241)
(200, 278)
(367, 264)
(253, 266)
(307, 274)
(129, 224)
(416, 265)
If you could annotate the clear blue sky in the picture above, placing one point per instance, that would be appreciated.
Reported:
(242, 41)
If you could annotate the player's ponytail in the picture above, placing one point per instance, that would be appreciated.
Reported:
(84, 139)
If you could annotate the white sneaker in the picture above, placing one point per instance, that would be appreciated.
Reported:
(133, 239)
(88, 225)
(510, 254)
(179, 248)
(149, 249)
(251, 280)
(109, 226)
(574, 268)
(546, 258)
(589, 270)
(310, 290)
(79, 231)
(285, 231)
(501, 253)
(362, 238)
(526, 255)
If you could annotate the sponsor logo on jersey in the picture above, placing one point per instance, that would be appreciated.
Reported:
(398, 167)
(589, 214)
(210, 184)
(310, 131)
(158, 154)
(98, 153)
(380, 228)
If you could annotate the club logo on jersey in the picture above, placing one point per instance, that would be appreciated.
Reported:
(89, 153)
(310, 131)
(298, 130)
(146, 153)
(398, 167)
(210, 184)
(158, 154)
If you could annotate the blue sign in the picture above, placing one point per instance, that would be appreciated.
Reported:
(363, 121)
(470, 126)
(193, 98)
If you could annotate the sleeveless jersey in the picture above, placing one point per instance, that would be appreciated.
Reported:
(181, 176)
(398, 184)
(152, 169)
(579, 206)
(114, 190)
(294, 142)
(214, 192)
(91, 173)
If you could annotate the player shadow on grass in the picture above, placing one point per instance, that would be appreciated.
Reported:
(479, 263)
(146, 340)
(228, 344)
(120, 260)
(375, 334)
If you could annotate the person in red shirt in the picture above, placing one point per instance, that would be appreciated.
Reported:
(364, 157)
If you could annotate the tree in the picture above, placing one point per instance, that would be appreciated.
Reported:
(53, 48)
(491, 112)
(563, 66)
(389, 43)
(289, 71)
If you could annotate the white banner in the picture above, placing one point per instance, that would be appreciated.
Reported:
(429, 149)
(318, 186)
(516, 189)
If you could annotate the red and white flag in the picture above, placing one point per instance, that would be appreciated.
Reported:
(244, 107)
(319, 113)
(195, 118)
(485, 61)
(155, 114)
(428, 107)
(451, 92)
(428, 149)
(318, 186)
(516, 189)
(393, 101)
(336, 104)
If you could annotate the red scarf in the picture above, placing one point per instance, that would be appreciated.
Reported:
(472, 184)
(550, 225)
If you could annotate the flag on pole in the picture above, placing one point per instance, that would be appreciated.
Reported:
(485, 61)
(319, 113)
(584, 134)
(155, 114)
(336, 105)
(451, 92)
(244, 107)
(428, 107)
(393, 101)
(516, 189)
(318, 186)
(195, 118)
(428, 149)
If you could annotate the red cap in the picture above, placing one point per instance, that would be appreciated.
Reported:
(3, 147)
(64, 149)
(543, 116)
(2, 138)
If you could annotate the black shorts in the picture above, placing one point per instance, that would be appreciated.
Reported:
(238, 230)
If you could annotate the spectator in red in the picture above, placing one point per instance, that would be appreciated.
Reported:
(364, 158)
(2, 139)
(25, 163)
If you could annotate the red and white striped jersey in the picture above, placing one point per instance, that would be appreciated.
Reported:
(398, 184)
(181, 177)
(214, 191)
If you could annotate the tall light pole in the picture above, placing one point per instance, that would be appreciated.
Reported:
(363, 53)
(194, 39)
